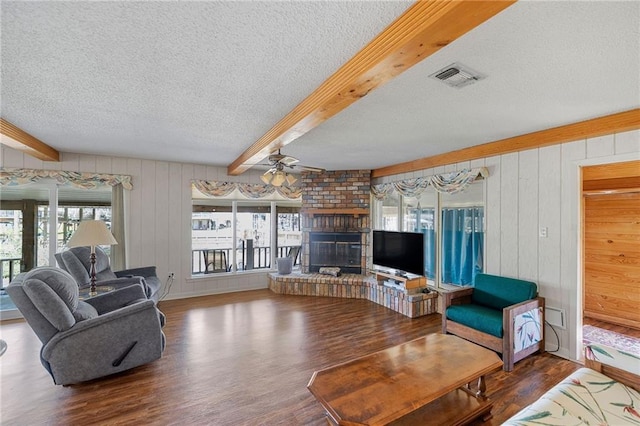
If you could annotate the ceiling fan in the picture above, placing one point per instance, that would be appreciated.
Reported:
(277, 176)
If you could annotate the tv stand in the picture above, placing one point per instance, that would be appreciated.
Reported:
(407, 281)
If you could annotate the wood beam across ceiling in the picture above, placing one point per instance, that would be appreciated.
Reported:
(423, 29)
(20, 140)
(608, 124)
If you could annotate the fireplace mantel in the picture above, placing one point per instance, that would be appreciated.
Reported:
(356, 212)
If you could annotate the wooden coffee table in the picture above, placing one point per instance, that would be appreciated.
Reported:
(424, 381)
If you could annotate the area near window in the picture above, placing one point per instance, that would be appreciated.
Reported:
(25, 223)
(233, 233)
(452, 222)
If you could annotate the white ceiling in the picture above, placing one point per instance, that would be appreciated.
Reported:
(199, 82)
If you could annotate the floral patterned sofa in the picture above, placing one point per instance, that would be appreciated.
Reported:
(605, 393)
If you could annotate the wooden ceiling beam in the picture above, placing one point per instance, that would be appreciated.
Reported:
(608, 124)
(20, 140)
(424, 28)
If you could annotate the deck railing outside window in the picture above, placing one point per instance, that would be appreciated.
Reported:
(10, 268)
(256, 258)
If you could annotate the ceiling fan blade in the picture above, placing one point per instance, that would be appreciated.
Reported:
(288, 161)
(279, 158)
(309, 168)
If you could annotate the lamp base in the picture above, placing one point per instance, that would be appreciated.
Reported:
(92, 272)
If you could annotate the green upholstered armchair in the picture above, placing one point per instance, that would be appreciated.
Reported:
(503, 314)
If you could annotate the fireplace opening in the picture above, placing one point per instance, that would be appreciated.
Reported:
(330, 249)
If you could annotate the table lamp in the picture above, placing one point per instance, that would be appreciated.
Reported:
(92, 233)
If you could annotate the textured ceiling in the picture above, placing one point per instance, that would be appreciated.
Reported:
(200, 82)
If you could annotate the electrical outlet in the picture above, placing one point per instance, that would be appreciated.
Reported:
(543, 232)
(172, 275)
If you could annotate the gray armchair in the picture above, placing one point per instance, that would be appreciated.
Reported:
(76, 261)
(84, 340)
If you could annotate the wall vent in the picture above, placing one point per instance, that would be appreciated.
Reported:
(457, 75)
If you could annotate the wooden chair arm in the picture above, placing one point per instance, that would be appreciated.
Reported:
(521, 307)
(456, 297)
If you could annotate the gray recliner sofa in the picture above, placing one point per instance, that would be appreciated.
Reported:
(84, 340)
(76, 261)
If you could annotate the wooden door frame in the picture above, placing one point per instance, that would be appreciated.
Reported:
(579, 306)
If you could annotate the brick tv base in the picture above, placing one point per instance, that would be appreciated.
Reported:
(354, 286)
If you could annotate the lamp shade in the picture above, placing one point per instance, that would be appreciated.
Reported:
(91, 233)
(278, 178)
(291, 179)
(266, 178)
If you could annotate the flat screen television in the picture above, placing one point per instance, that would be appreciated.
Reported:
(403, 251)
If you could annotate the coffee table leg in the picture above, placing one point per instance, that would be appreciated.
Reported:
(482, 389)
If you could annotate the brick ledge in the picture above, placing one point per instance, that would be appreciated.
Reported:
(354, 286)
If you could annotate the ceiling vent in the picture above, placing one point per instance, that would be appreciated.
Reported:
(457, 75)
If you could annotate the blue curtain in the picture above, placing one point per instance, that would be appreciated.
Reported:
(462, 241)
(429, 253)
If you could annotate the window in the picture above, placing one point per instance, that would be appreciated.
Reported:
(289, 241)
(419, 216)
(26, 223)
(390, 207)
(453, 228)
(253, 232)
(212, 237)
(10, 243)
(234, 234)
(31, 223)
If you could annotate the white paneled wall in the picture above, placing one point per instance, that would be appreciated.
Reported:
(159, 215)
(534, 189)
(525, 192)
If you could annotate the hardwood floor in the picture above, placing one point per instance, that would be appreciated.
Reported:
(238, 359)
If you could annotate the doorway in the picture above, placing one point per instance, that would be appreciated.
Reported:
(611, 250)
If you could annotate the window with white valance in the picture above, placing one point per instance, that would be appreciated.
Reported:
(241, 227)
(42, 208)
(449, 210)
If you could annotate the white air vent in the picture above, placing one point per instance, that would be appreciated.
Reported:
(457, 75)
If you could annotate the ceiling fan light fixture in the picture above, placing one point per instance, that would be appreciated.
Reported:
(291, 179)
(278, 178)
(267, 177)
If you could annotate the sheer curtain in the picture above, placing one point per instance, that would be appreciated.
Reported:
(118, 251)
(462, 242)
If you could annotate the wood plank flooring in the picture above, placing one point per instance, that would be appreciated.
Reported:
(238, 359)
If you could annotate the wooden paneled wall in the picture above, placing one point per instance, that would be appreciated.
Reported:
(612, 243)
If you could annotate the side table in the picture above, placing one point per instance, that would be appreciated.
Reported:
(100, 289)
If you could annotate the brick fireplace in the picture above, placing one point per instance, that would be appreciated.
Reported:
(335, 209)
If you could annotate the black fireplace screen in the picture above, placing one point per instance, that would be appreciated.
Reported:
(341, 249)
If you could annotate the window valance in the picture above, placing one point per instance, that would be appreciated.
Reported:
(449, 183)
(248, 190)
(83, 180)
